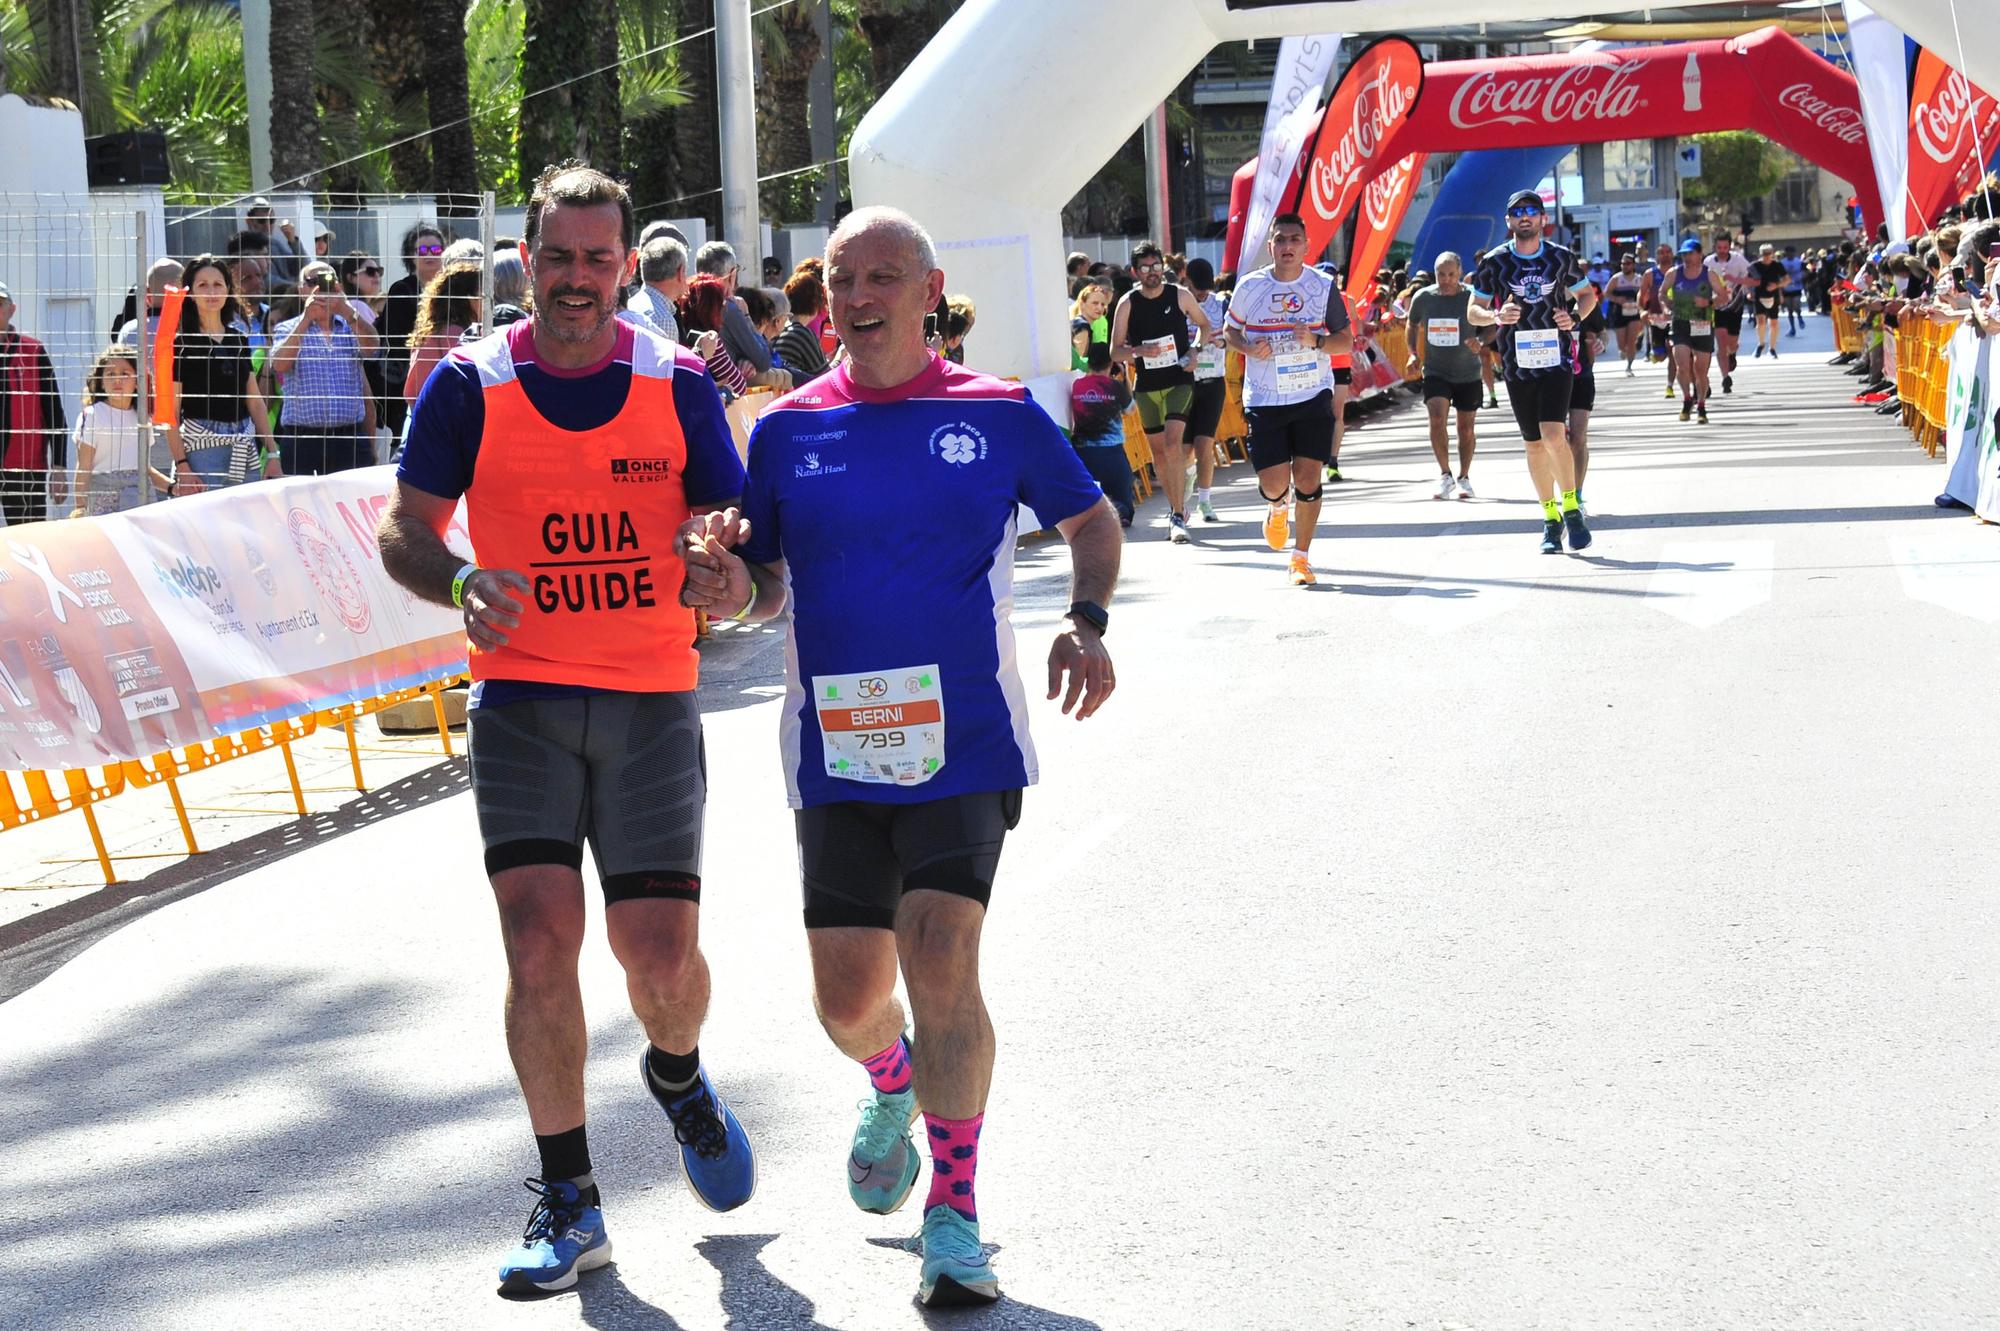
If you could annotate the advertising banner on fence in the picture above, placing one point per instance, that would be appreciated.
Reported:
(124, 635)
(1971, 434)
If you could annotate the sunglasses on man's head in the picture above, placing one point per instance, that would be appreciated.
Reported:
(1524, 210)
(430, 250)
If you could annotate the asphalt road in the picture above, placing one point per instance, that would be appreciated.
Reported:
(1479, 939)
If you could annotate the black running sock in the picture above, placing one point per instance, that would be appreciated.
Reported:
(672, 1073)
(566, 1159)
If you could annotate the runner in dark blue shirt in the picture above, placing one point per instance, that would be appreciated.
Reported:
(1536, 292)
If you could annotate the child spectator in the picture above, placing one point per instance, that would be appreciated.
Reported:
(107, 438)
(1097, 404)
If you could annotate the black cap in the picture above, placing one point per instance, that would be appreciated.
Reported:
(1526, 196)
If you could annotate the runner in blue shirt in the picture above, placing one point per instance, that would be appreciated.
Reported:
(882, 503)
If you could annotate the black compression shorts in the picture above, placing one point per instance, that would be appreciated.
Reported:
(857, 858)
(1541, 400)
(1729, 319)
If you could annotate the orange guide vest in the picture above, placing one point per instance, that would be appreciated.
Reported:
(589, 518)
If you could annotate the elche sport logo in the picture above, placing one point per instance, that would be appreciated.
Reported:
(959, 444)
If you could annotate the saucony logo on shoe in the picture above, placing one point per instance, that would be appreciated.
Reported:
(580, 1235)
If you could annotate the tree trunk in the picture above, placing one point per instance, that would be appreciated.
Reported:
(295, 146)
(397, 41)
(784, 129)
(342, 28)
(896, 31)
(454, 161)
(694, 127)
(562, 40)
(64, 32)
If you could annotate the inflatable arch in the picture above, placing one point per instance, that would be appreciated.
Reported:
(1767, 81)
(1009, 111)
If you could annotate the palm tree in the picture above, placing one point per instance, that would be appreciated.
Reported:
(567, 109)
(897, 30)
(65, 32)
(295, 147)
(396, 42)
(693, 131)
(789, 47)
(454, 160)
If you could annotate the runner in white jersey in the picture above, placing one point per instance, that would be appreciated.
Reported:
(1737, 281)
(1285, 319)
(1211, 388)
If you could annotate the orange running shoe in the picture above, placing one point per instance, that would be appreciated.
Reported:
(1277, 527)
(1302, 570)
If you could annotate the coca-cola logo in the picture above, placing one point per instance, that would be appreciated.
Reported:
(1379, 105)
(1598, 91)
(1942, 124)
(1379, 200)
(1843, 122)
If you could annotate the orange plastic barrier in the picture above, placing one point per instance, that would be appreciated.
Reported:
(29, 797)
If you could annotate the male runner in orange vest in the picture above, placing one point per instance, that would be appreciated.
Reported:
(580, 444)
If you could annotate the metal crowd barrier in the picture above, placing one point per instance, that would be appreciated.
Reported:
(34, 796)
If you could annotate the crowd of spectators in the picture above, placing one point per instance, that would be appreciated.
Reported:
(289, 362)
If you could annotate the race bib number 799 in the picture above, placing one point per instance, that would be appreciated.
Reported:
(882, 728)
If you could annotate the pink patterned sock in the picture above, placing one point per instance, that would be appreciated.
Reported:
(954, 1161)
(889, 1071)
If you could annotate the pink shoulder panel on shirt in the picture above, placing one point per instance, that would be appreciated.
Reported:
(940, 380)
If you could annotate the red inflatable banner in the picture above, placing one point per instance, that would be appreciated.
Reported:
(1766, 81)
(1368, 108)
(1383, 204)
(1950, 120)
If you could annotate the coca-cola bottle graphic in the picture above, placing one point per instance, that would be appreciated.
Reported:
(1691, 84)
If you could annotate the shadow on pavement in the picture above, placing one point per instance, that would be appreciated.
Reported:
(227, 1132)
(34, 946)
(752, 1297)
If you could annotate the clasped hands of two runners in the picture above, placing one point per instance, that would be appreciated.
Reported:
(719, 581)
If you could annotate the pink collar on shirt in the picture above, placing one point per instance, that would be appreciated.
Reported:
(521, 346)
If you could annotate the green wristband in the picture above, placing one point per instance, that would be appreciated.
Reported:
(458, 583)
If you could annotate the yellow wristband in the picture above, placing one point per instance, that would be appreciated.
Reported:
(458, 583)
(748, 605)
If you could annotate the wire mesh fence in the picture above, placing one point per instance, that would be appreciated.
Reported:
(278, 336)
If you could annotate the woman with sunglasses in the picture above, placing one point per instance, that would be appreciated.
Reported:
(361, 278)
(423, 259)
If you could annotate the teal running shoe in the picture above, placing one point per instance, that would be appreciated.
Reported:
(564, 1238)
(883, 1165)
(956, 1272)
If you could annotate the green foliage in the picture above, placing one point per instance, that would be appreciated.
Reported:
(1736, 167)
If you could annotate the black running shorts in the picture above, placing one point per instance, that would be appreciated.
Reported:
(1729, 319)
(857, 858)
(623, 771)
(1464, 397)
(1297, 430)
(1583, 392)
(1544, 398)
(1205, 411)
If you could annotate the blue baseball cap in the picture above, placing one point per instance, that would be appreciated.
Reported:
(1690, 246)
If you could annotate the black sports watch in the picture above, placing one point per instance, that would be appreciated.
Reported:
(1091, 613)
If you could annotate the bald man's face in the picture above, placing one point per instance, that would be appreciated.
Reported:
(880, 293)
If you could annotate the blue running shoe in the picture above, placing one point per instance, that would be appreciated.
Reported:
(715, 1151)
(1579, 530)
(1552, 538)
(564, 1238)
(882, 1168)
(956, 1272)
